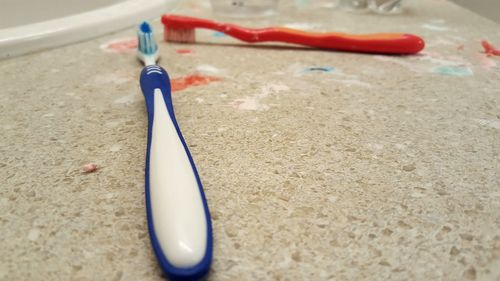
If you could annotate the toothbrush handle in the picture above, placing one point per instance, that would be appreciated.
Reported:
(177, 211)
(385, 43)
(380, 43)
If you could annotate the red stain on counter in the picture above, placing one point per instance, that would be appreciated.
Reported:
(184, 51)
(489, 49)
(182, 83)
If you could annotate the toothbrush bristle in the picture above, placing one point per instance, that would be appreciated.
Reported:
(180, 35)
(145, 27)
(147, 43)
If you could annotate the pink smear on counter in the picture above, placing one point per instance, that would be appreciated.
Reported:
(89, 168)
(184, 51)
(120, 45)
(182, 83)
(485, 61)
(489, 49)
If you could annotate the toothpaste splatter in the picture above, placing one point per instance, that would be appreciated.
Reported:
(89, 168)
(207, 69)
(182, 83)
(302, 26)
(117, 78)
(219, 34)
(301, 3)
(432, 62)
(489, 49)
(353, 82)
(434, 27)
(300, 69)
(319, 69)
(460, 71)
(489, 123)
(115, 147)
(439, 42)
(349, 80)
(128, 99)
(404, 62)
(437, 58)
(336, 74)
(486, 62)
(184, 51)
(254, 102)
(122, 45)
(34, 234)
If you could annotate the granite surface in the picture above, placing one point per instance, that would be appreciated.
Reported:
(316, 165)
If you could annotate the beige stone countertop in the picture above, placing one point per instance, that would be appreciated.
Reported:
(316, 165)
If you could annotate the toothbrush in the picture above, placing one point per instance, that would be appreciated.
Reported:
(177, 211)
(182, 29)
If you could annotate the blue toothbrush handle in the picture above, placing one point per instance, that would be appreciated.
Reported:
(178, 217)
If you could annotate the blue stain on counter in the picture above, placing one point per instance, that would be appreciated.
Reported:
(301, 3)
(219, 34)
(319, 69)
(459, 71)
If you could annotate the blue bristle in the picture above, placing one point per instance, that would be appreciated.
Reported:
(147, 43)
(145, 27)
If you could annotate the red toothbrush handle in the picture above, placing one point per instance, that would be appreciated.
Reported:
(382, 43)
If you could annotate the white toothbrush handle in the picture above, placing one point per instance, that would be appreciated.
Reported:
(178, 214)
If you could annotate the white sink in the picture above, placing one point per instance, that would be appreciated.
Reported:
(27, 25)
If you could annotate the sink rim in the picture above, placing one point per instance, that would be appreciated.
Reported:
(23, 39)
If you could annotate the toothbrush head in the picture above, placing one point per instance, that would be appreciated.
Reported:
(147, 49)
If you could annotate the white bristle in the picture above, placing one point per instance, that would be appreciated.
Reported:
(180, 35)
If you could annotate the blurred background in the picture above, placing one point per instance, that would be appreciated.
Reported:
(486, 8)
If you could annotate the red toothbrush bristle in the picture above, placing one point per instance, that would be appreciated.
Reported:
(180, 35)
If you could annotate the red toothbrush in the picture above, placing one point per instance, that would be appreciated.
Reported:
(182, 29)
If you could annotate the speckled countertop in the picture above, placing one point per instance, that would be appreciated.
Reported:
(316, 165)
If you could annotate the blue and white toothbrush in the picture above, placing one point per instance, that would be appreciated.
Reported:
(177, 211)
